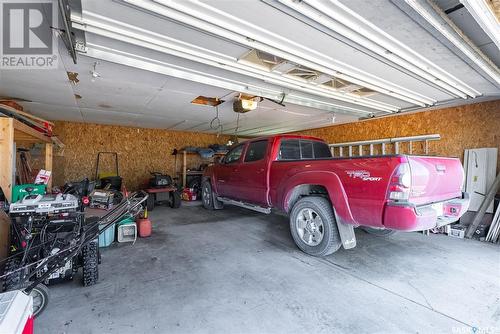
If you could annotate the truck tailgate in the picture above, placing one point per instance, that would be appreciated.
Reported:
(434, 179)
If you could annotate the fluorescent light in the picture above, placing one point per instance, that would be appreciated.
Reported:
(359, 30)
(237, 34)
(485, 17)
(435, 16)
(137, 36)
(148, 64)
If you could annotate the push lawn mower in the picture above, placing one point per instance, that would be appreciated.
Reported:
(51, 240)
(108, 184)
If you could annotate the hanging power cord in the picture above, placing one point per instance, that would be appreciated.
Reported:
(215, 123)
(237, 124)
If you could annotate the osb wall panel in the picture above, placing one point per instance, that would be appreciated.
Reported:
(464, 127)
(139, 150)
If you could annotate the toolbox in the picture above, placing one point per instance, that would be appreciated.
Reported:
(457, 231)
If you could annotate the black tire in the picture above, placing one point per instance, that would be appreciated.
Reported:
(209, 198)
(175, 200)
(12, 281)
(41, 296)
(195, 184)
(90, 257)
(317, 206)
(150, 202)
(385, 233)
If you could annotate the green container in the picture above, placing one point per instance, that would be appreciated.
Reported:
(126, 220)
(18, 192)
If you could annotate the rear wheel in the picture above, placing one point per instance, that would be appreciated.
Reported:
(313, 226)
(90, 263)
(13, 276)
(380, 232)
(209, 198)
(40, 295)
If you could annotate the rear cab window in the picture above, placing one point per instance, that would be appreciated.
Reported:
(303, 149)
(256, 151)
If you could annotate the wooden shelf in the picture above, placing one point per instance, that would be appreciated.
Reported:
(215, 154)
(12, 131)
(184, 171)
(26, 134)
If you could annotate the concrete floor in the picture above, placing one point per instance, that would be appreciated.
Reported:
(235, 271)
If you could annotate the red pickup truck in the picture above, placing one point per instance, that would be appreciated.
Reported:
(326, 198)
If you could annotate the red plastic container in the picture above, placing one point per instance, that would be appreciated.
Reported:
(144, 227)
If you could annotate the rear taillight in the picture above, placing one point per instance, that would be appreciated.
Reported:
(399, 187)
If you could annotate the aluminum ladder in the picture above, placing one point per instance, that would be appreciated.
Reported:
(396, 142)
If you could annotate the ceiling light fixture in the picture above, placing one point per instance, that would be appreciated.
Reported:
(485, 17)
(116, 31)
(236, 33)
(148, 64)
(435, 17)
(359, 30)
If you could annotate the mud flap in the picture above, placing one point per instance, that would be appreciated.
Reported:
(346, 232)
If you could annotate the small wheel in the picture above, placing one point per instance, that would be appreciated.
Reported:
(150, 202)
(12, 281)
(208, 197)
(386, 233)
(175, 199)
(313, 226)
(40, 295)
(90, 263)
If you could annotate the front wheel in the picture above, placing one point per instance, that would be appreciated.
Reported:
(40, 295)
(380, 232)
(90, 256)
(313, 226)
(209, 198)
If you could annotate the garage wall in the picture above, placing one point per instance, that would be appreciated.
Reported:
(469, 126)
(140, 150)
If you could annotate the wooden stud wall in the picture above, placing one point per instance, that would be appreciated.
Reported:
(140, 150)
(469, 126)
(6, 155)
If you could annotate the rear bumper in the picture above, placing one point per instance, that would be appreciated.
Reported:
(407, 217)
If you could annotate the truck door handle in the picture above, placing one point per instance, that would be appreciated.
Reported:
(260, 170)
(221, 181)
(235, 169)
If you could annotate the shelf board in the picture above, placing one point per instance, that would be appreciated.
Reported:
(26, 134)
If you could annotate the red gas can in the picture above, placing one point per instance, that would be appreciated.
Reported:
(144, 227)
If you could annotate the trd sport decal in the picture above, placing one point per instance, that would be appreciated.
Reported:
(363, 175)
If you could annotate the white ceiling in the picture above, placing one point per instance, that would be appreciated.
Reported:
(152, 66)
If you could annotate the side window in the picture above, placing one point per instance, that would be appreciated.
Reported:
(233, 155)
(256, 151)
(306, 149)
(321, 150)
(289, 150)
